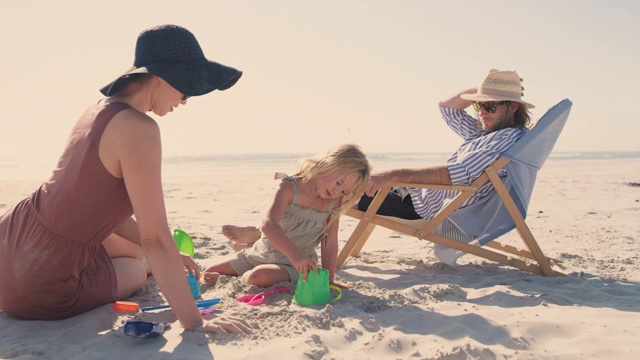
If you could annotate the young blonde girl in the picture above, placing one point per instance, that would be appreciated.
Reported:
(304, 213)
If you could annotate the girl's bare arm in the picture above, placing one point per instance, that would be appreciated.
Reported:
(276, 236)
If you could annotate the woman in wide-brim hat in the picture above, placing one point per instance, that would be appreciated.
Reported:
(73, 245)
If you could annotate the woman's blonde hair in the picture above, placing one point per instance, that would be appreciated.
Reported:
(348, 158)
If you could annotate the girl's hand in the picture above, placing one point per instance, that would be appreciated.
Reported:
(226, 324)
(190, 265)
(302, 264)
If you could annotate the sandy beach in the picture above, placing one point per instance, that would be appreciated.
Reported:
(403, 304)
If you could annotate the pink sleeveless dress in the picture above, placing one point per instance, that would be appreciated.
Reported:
(52, 262)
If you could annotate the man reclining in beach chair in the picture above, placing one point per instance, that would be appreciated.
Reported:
(482, 192)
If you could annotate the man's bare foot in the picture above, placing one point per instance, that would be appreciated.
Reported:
(241, 234)
(210, 278)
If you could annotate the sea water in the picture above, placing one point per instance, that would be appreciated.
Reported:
(38, 171)
(198, 188)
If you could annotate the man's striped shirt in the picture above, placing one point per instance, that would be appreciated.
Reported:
(478, 151)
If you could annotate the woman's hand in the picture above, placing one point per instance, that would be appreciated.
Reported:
(226, 324)
(190, 265)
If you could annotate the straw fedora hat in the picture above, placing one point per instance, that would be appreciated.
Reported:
(499, 86)
(173, 53)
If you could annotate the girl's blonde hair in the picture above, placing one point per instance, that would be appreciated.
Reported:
(348, 158)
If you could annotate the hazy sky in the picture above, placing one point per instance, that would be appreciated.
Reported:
(319, 73)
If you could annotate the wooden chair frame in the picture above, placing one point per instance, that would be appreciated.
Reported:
(423, 229)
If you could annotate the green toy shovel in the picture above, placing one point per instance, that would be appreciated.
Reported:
(184, 242)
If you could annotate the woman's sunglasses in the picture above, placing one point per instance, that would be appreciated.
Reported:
(489, 107)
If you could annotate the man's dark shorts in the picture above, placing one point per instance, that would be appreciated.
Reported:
(398, 203)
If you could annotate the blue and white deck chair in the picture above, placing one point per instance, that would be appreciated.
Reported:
(474, 228)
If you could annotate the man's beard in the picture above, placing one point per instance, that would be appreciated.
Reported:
(504, 123)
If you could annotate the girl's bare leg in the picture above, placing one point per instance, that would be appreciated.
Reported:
(213, 272)
(265, 275)
(241, 234)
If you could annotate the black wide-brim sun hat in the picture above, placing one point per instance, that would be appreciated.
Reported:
(173, 53)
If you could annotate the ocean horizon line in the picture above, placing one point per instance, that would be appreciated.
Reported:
(401, 155)
(557, 155)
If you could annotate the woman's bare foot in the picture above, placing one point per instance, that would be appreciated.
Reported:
(241, 234)
(210, 278)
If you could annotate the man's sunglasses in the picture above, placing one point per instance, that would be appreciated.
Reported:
(489, 107)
